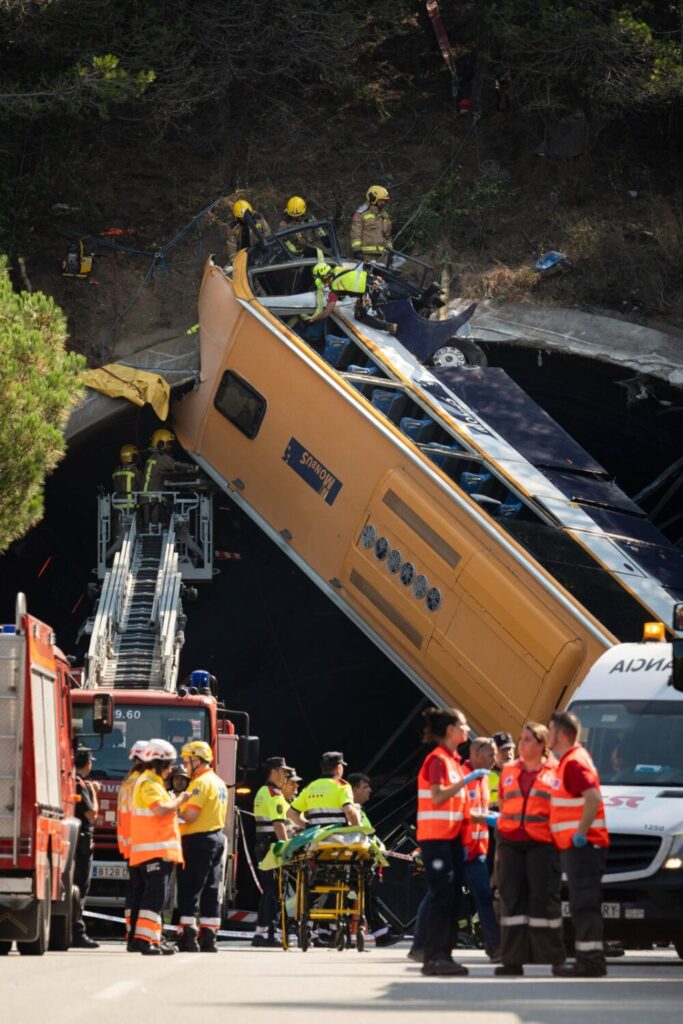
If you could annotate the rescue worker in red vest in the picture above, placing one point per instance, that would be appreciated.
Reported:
(272, 814)
(579, 830)
(335, 284)
(200, 882)
(159, 466)
(476, 842)
(154, 843)
(527, 864)
(239, 231)
(371, 225)
(124, 810)
(442, 812)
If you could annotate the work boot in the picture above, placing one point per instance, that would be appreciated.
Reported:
(443, 968)
(187, 940)
(579, 970)
(207, 940)
(509, 971)
(84, 942)
(135, 945)
(416, 955)
(150, 949)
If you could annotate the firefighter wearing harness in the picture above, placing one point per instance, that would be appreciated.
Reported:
(160, 464)
(124, 809)
(272, 812)
(360, 283)
(527, 863)
(579, 831)
(371, 225)
(442, 812)
(154, 843)
(203, 840)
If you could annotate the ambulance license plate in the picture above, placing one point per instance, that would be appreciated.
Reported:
(110, 871)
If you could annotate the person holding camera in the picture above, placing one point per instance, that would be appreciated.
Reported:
(200, 882)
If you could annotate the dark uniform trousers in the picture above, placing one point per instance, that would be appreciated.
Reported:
(200, 881)
(268, 902)
(136, 885)
(444, 863)
(528, 875)
(82, 873)
(155, 876)
(584, 868)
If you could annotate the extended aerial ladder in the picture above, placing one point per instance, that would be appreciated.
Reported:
(137, 631)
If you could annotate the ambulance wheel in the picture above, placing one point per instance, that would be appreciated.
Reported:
(458, 352)
(41, 943)
(61, 928)
(5, 948)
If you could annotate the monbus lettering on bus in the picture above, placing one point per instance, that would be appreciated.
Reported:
(310, 469)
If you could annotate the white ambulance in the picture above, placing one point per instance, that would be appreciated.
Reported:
(631, 710)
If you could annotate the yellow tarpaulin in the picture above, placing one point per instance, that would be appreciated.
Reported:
(138, 386)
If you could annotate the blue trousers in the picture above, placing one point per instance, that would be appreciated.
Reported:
(479, 885)
(445, 867)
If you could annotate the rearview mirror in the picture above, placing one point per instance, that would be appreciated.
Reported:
(103, 713)
(248, 750)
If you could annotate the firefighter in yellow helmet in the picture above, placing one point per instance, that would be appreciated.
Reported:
(337, 283)
(371, 225)
(296, 211)
(239, 231)
(126, 477)
(159, 465)
(201, 880)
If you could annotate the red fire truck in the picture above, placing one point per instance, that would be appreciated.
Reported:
(38, 829)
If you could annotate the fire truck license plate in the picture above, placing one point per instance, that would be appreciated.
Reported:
(612, 910)
(110, 871)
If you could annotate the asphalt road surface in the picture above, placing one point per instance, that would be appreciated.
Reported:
(258, 986)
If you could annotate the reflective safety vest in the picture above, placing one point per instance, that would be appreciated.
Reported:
(566, 808)
(269, 806)
(532, 813)
(350, 282)
(370, 230)
(153, 836)
(124, 484)
(124, 808)
(475, 835)
(323, 801)
(446, 820)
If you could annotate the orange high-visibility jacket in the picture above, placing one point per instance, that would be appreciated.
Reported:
(446, 820)
(532, 813)
(475, 836)
(124, 807)
(153, 836)
(565, 808)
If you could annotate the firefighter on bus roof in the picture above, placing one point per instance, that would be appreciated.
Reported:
(202, 826)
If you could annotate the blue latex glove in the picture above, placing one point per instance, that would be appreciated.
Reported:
(478, 773)
(491, 819)
(579, 840)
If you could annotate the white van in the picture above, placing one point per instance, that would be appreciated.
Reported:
(632, 724)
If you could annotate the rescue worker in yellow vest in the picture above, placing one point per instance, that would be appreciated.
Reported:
(239, 231)
(272, 814)
(154, 843)
(127, 478)
(527, 864)
(476, 842)
(159, 466)
(359, 282)
(328, 800)
(371, 225)
(200, 882)
(579, 831)
(442, 812)
(124, 810)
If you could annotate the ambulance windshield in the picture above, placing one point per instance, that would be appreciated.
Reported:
(140, 722)
(634, 743)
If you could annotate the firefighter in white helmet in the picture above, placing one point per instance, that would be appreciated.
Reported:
(124, 807)
(154, 843)
(201, 880)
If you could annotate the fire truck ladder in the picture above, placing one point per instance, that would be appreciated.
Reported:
(137, 631)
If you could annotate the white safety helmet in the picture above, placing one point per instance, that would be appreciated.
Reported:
(159, 750)
(137, 750)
